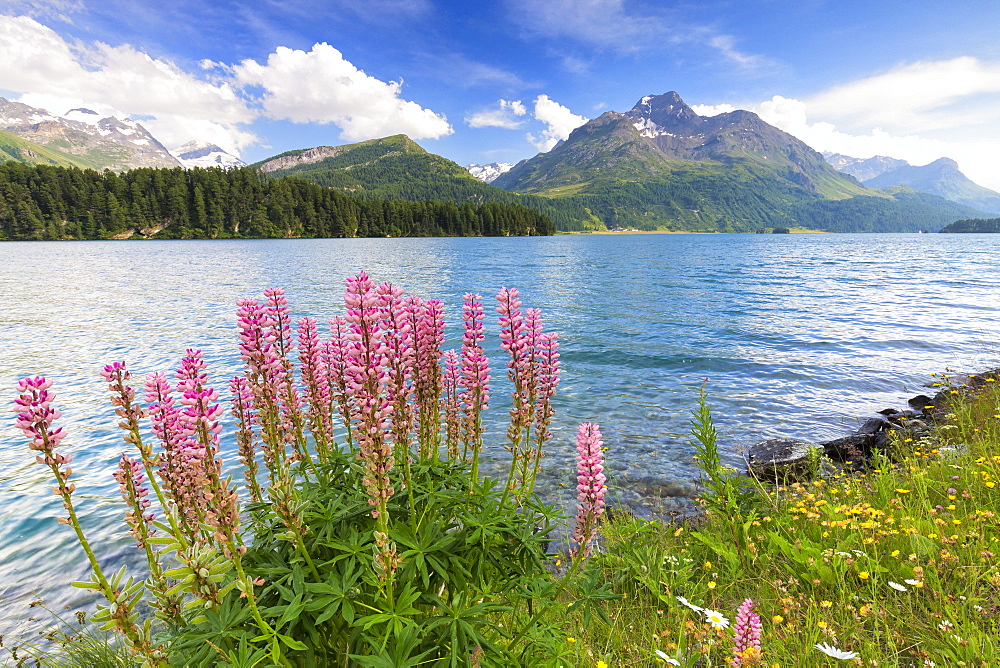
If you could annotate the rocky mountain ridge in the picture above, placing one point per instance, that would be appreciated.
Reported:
(104, 142)
(97, 142)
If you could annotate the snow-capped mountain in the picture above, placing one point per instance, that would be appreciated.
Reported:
(863, 168)
(489, 172)
(116, 143)
(202, 154)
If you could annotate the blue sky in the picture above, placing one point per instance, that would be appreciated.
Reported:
(499, 81)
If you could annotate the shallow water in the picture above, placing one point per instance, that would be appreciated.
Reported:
(795, 335)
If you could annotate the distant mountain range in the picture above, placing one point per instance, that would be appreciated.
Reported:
(659, 166)
(83, 138)
(662, 166)
(941, 177)
(864, 169)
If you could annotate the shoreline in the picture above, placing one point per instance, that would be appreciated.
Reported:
(629, 232)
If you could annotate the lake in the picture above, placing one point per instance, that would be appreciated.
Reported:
(793, 336)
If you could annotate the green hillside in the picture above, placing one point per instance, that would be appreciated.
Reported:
(17, 149)
(396, 167)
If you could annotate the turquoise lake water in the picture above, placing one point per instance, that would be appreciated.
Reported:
(794, 335)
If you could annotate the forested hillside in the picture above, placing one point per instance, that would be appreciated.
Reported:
(46, 202)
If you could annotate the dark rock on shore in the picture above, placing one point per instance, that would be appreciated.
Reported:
(781, 460)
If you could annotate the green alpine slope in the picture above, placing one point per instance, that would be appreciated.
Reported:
(17, 149)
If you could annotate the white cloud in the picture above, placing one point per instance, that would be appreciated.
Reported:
(977, 159)
(726, 45)
(918, 112)
(712, 109)
(59, 10)
(917, 97)
(121, 80)
(603, 23)
(322, 87)
(609, 24)
(178, 106)
(559, 121)
(505, 116)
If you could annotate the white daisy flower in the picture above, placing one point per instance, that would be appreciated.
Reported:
(835, 653)
(715, 618)
(914, 583)
(896, 586)
(666, 658)
(689, 604)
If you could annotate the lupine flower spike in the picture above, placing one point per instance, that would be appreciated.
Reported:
(746, 643)
(474, 382)
(590, 487)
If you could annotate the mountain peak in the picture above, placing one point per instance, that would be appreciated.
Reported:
(665, 109)
(944, 163)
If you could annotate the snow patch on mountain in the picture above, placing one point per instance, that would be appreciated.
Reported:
(489, 172)
(647, 128)
(203, 154)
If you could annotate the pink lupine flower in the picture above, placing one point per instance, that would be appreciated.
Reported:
(163, 415)
(513, 339)
(293, 422)
(265, 372)
(182, 471)
(123, 398)
(746, 644)
(548, 380)
(428, 328)
(452, 405)
(317, 385)
(276, 308)
(255, 338)
(214, 503)
(335, 361)
(366, 379)
(131, 479)
(533, 369)
(400, 363)
(474, 382)
(35, 417)
(200, 418)
(590, 486)
(242, 408)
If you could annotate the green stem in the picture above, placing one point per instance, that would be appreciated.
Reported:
(266, 628)
(553, 599)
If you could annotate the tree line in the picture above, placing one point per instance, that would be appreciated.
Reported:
(975, 226)
(43, 202)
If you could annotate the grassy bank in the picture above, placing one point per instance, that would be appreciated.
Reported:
(897, 566)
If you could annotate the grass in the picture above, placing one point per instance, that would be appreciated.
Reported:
(898, 565)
